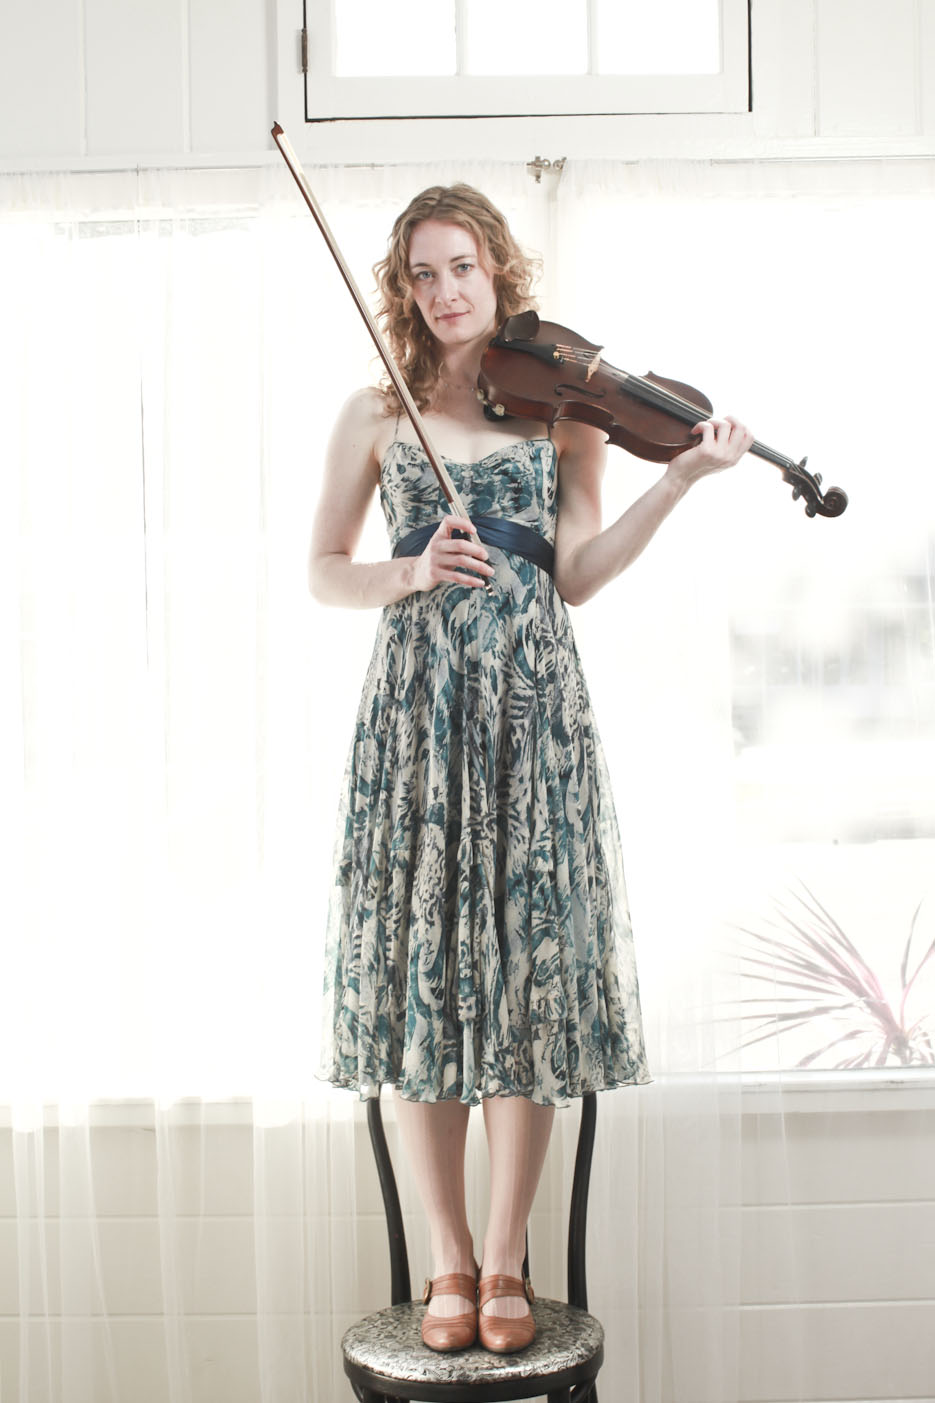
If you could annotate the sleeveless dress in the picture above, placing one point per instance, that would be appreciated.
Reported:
(479, 941)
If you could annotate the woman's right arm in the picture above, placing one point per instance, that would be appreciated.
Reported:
(352, 474)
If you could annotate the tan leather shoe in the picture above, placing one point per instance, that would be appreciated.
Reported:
(449, 1332)
(500, 1333)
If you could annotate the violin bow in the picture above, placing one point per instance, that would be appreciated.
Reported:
(392, 369)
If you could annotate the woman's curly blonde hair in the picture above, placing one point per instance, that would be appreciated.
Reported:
(413, 346)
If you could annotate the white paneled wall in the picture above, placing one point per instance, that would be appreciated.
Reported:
(126, 82)
(869, 72)
(135, 62)
(838, 1284)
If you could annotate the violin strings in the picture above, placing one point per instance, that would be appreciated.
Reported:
(660, 397)
(656, 394)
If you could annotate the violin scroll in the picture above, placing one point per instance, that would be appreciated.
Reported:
(808, 485)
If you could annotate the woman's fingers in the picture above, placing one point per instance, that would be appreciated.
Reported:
(723, 441)
(455, 523)
(456, 558)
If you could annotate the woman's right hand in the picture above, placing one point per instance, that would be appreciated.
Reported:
(451, 559)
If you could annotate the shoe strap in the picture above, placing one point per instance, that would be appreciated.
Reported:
(456, 1283)
(493, 1286)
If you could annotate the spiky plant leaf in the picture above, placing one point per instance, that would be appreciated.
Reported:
(803, 948)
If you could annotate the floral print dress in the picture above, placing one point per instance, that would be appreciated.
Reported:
(479, 940)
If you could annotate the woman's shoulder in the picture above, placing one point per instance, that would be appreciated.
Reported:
(365, 409)
(363, 422)
(579, 445)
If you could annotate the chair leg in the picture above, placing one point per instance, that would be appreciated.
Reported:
(399, 1259)
(581, 1393)
(578, 1214)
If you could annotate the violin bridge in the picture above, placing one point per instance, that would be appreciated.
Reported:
(593, 365)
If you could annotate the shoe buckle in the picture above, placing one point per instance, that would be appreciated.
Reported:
(427, 1292)
(527, 1287)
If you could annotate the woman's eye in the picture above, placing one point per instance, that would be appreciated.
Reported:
(465, 267)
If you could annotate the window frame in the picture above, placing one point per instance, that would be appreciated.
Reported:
(329, 98)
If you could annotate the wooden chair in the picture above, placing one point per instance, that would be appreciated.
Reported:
(384, 1356)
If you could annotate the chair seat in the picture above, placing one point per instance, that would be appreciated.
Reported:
(384, 1352)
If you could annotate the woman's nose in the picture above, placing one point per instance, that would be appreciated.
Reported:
(446, 289)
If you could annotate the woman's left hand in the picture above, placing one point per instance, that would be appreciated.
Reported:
(723, 443)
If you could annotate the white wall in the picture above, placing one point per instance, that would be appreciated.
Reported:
(91, 83)
(837, 1224)
(837, 1244)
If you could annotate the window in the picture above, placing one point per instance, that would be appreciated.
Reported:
(511, 58)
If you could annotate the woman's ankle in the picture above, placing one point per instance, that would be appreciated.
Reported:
(503, 1259)
(453, 1256)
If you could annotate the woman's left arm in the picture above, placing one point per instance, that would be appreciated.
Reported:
(587, 558)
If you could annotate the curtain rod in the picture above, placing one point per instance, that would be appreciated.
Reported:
(841, 159)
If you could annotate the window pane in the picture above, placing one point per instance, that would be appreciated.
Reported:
(521, 37)
(376, 39)
(668, 36)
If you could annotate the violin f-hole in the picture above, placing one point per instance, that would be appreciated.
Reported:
(578, 391)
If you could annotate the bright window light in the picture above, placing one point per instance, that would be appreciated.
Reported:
(668, 36)
(419, 38)
(514, 36)
(376, 39)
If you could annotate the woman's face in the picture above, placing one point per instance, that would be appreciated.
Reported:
(452, 287)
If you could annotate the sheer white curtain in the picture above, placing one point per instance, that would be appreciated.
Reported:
(767, 688)
(176, 712)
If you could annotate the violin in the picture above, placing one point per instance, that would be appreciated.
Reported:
(539, 370)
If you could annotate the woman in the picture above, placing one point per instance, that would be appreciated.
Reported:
(479, 942)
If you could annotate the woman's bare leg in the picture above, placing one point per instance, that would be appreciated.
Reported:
(518, 1134)
(434, 1136)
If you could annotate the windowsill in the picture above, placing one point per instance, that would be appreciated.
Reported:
(761, 1093)
(882, 1090)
